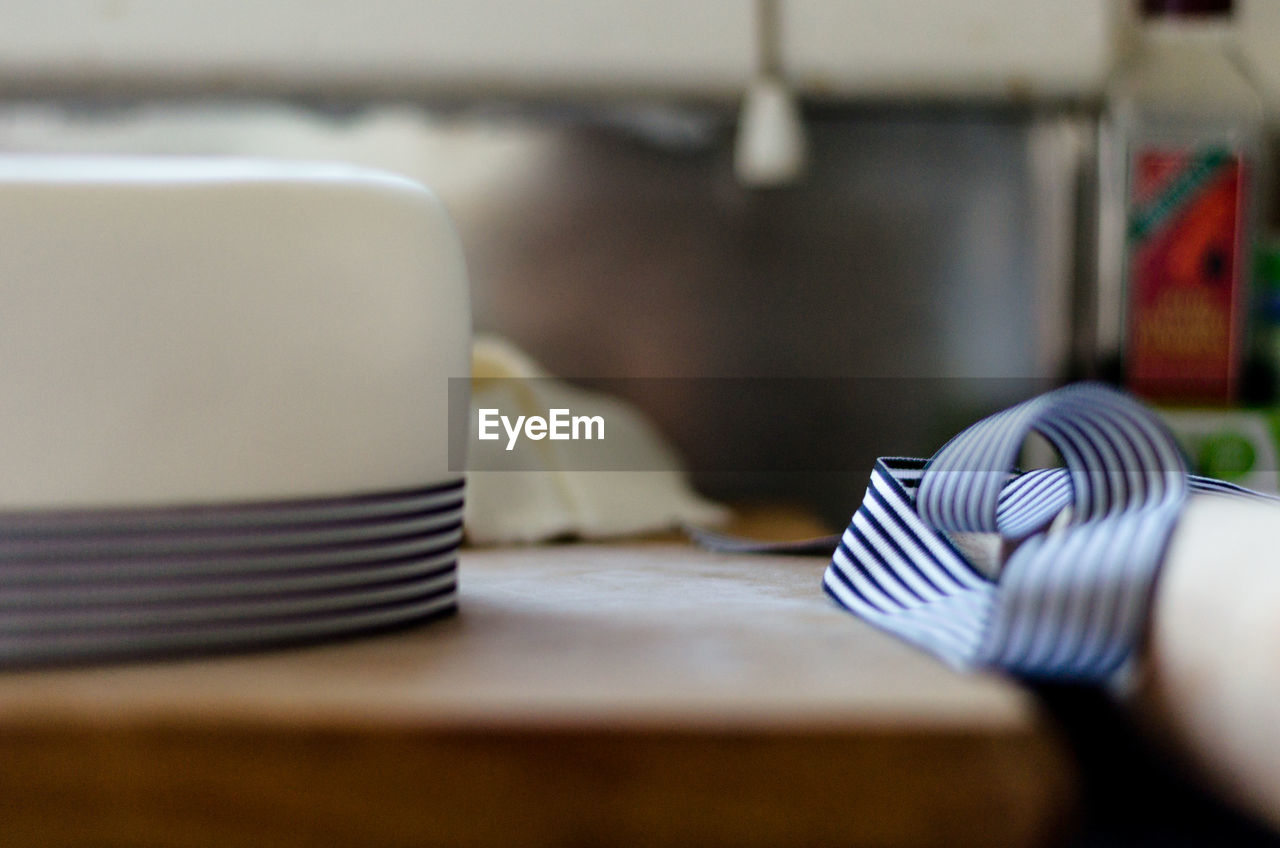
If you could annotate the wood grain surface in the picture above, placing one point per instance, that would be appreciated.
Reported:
(643, 694)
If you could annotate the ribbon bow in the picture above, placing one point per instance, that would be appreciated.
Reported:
(1071, 599)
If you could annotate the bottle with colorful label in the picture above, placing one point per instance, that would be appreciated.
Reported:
(1180, 155)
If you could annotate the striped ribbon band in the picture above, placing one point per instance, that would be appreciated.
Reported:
(1071, 598)
(78, 584)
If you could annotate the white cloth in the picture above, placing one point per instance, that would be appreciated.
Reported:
(548, 497)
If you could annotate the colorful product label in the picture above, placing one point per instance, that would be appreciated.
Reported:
(1183, 333)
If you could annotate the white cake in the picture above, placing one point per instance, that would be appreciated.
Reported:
(180, 330)
(204, 361)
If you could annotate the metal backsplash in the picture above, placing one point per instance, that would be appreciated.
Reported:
(920, 274)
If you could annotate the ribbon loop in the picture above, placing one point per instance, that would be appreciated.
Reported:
(1118, 457)
(1069, 602)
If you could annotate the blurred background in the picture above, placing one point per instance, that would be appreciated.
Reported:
(907, 240)
(914, 248)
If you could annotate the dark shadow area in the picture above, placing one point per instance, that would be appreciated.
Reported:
(1133, 794)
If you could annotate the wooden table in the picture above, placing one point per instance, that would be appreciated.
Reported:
(647, 694)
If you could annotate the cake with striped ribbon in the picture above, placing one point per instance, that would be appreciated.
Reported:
(226, 418)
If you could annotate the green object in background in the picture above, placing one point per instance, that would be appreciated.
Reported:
(1266, 305)
(1227, 456)
(1267, 267)
(1238, 445)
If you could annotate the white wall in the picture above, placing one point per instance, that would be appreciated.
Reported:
(1001, 49)
(987, 49)
(871, 47)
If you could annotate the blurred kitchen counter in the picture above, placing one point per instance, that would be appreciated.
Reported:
(628, 694)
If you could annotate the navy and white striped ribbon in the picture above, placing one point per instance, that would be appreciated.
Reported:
(1069, 602)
